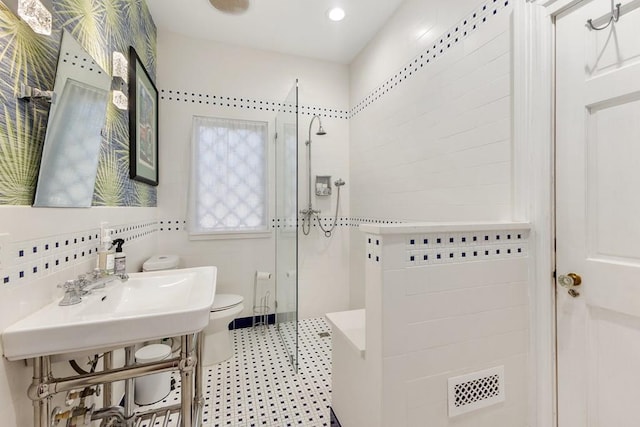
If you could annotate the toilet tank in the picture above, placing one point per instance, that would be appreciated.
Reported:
(161, 262)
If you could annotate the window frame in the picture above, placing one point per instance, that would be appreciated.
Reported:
(208, 234)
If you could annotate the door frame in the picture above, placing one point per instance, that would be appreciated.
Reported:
(534, 186)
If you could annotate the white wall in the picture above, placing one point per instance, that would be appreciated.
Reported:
(197, 68)
(37, 227)
(430, 137)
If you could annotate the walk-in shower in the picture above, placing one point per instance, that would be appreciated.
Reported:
(287, 221)
(310, 213)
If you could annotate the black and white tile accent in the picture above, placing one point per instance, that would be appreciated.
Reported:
(165, 225)
(374, 248)
(180, 225)
(197, 98)
(440, 248)
(33, 259)
(452, 37)
(355, 222)
(258, 387)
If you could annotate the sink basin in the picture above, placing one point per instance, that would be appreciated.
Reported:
(147, 306)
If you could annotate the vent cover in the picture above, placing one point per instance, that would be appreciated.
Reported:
(476, 390)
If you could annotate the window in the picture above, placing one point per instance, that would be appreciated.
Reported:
(228, 176)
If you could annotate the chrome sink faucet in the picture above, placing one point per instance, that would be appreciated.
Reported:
(97, 280)
(85, 283)
(71, 293)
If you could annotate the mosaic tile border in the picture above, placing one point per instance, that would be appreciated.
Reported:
(180, 225)
(355, 222)
(449, 248)
(202, 98)
(441, 248)
(450, 38)
(33, 259)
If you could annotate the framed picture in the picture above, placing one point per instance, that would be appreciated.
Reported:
(143, 123)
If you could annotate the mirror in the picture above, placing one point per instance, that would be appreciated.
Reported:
(72, 142)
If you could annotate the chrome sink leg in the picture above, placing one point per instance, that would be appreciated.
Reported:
(107, 364)
(41, 376)
(198, 399)
(129, 403)
(187, 363)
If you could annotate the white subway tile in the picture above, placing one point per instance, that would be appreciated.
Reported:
(436, 305)
(476, 352)
(467, 275)
(451, 330)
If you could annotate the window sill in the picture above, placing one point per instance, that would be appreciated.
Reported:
(231, 235)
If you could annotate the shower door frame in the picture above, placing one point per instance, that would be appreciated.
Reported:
(287, 219)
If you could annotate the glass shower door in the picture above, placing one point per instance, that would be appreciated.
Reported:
(287, 224)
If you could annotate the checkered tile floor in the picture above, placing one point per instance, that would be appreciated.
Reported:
(258, 387)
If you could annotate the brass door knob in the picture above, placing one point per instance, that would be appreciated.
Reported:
(570, 280)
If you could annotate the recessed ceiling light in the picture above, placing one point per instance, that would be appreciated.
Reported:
(336, 14)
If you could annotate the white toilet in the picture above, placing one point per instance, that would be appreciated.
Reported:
(218, 345)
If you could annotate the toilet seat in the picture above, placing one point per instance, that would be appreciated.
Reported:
(225, 301)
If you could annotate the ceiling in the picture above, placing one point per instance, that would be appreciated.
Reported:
(296, 27)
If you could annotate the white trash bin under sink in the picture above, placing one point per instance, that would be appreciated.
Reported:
(155, 387)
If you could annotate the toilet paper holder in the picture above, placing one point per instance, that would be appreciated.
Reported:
(261, 306)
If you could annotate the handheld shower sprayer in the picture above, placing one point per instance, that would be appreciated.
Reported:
(327, 233)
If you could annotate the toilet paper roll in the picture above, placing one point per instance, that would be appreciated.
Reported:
(263, 275)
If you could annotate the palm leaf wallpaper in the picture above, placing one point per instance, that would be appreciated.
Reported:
(101, 27)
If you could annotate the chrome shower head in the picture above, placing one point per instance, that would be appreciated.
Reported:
(320, 131)
(339, 183)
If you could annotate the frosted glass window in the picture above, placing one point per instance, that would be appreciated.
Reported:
(228, 176)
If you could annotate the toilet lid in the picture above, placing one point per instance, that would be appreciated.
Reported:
(161, 262)
(224, 301)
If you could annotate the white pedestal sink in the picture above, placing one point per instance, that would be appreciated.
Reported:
(147, 306)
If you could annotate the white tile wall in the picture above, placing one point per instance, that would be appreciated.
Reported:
(458, 318)
(431, 141)
(426, 323)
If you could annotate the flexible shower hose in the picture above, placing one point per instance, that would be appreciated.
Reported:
(327, 233)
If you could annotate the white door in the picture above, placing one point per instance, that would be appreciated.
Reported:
(598, 215)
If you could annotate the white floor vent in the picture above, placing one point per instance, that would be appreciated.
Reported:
(476, 390)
